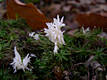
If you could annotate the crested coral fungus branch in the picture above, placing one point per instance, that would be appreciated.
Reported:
(33, 35)
(18, 64)
(54, 32)
(85, 30)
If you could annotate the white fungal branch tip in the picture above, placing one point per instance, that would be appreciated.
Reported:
(85, 30)
(33, 35)
(18, 64)
(54, 32)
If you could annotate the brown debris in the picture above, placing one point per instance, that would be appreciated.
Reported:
(93, 20)
(33, 16)
(58, 73)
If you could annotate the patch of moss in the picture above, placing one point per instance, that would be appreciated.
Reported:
(78, 49)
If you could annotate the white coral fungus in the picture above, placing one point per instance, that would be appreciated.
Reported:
(85, 30)
(18, 64)
(54, 32)
(35, 36)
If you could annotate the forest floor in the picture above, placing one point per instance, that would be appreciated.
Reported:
(84, 57)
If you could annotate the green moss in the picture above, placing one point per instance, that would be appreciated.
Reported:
(78, 48)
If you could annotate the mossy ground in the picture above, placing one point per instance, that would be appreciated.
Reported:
(78, 49)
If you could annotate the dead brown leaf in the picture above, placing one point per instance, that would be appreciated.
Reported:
(33, 16)
(93, 20)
